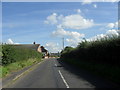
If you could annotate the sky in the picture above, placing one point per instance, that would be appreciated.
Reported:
(47, 23)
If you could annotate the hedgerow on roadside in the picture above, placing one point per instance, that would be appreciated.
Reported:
(101, 57)
(13, 54)
(14, 59)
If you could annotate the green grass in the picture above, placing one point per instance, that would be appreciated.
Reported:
(0, 50)
(17, 58)
(16, 66)
(13, 54)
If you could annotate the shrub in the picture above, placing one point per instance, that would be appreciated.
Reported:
(100, 57)
(102, 51)
(12, 54)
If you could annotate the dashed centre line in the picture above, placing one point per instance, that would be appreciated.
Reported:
(56, 65)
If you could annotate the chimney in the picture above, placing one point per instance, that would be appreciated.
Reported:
(33, 42)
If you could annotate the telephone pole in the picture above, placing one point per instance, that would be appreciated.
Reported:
(63, 42)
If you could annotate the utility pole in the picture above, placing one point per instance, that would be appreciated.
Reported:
(63, 42)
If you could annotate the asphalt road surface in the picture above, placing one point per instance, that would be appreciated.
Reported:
(53, 74)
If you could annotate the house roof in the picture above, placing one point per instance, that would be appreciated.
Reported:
(43, 49)
(30, 46)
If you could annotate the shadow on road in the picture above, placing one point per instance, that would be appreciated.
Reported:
(96, 81)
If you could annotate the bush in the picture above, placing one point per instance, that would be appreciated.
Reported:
(100, 57)
(13, 54)
(101, 51)
(67, 49)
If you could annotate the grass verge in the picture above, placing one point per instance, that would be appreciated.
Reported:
(16, 66)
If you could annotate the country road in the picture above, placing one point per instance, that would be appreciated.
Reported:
(53, 74)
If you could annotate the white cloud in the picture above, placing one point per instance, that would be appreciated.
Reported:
(76, 35)
(9, 41)
(109, 33)
(53, 47)
(76, 21)
(112, 32)
(60, 18)
(52, 19)
(97, 37)
(110, 0)
(73, 41)
(118, 32)
(86, 2)
(69, 40)
(16, 43)
(116, 24)
(78, 11)
(60, 32)
(73, 38)
(110, 25)
(113, 25)
(95, 5)
(91, 1)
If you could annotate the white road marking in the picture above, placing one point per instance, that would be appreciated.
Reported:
(56, 65)
(20, 74)
(54, 61)
(39, 63)
(25, 72)
(63, 79)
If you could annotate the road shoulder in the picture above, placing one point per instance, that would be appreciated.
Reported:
(16, 75)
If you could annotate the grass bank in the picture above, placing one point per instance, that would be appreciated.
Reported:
(16, 66)
(14, 59)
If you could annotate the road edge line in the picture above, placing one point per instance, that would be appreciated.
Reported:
(28, 70)
(63, 79)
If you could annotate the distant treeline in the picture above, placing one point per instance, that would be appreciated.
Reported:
(11, 54)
